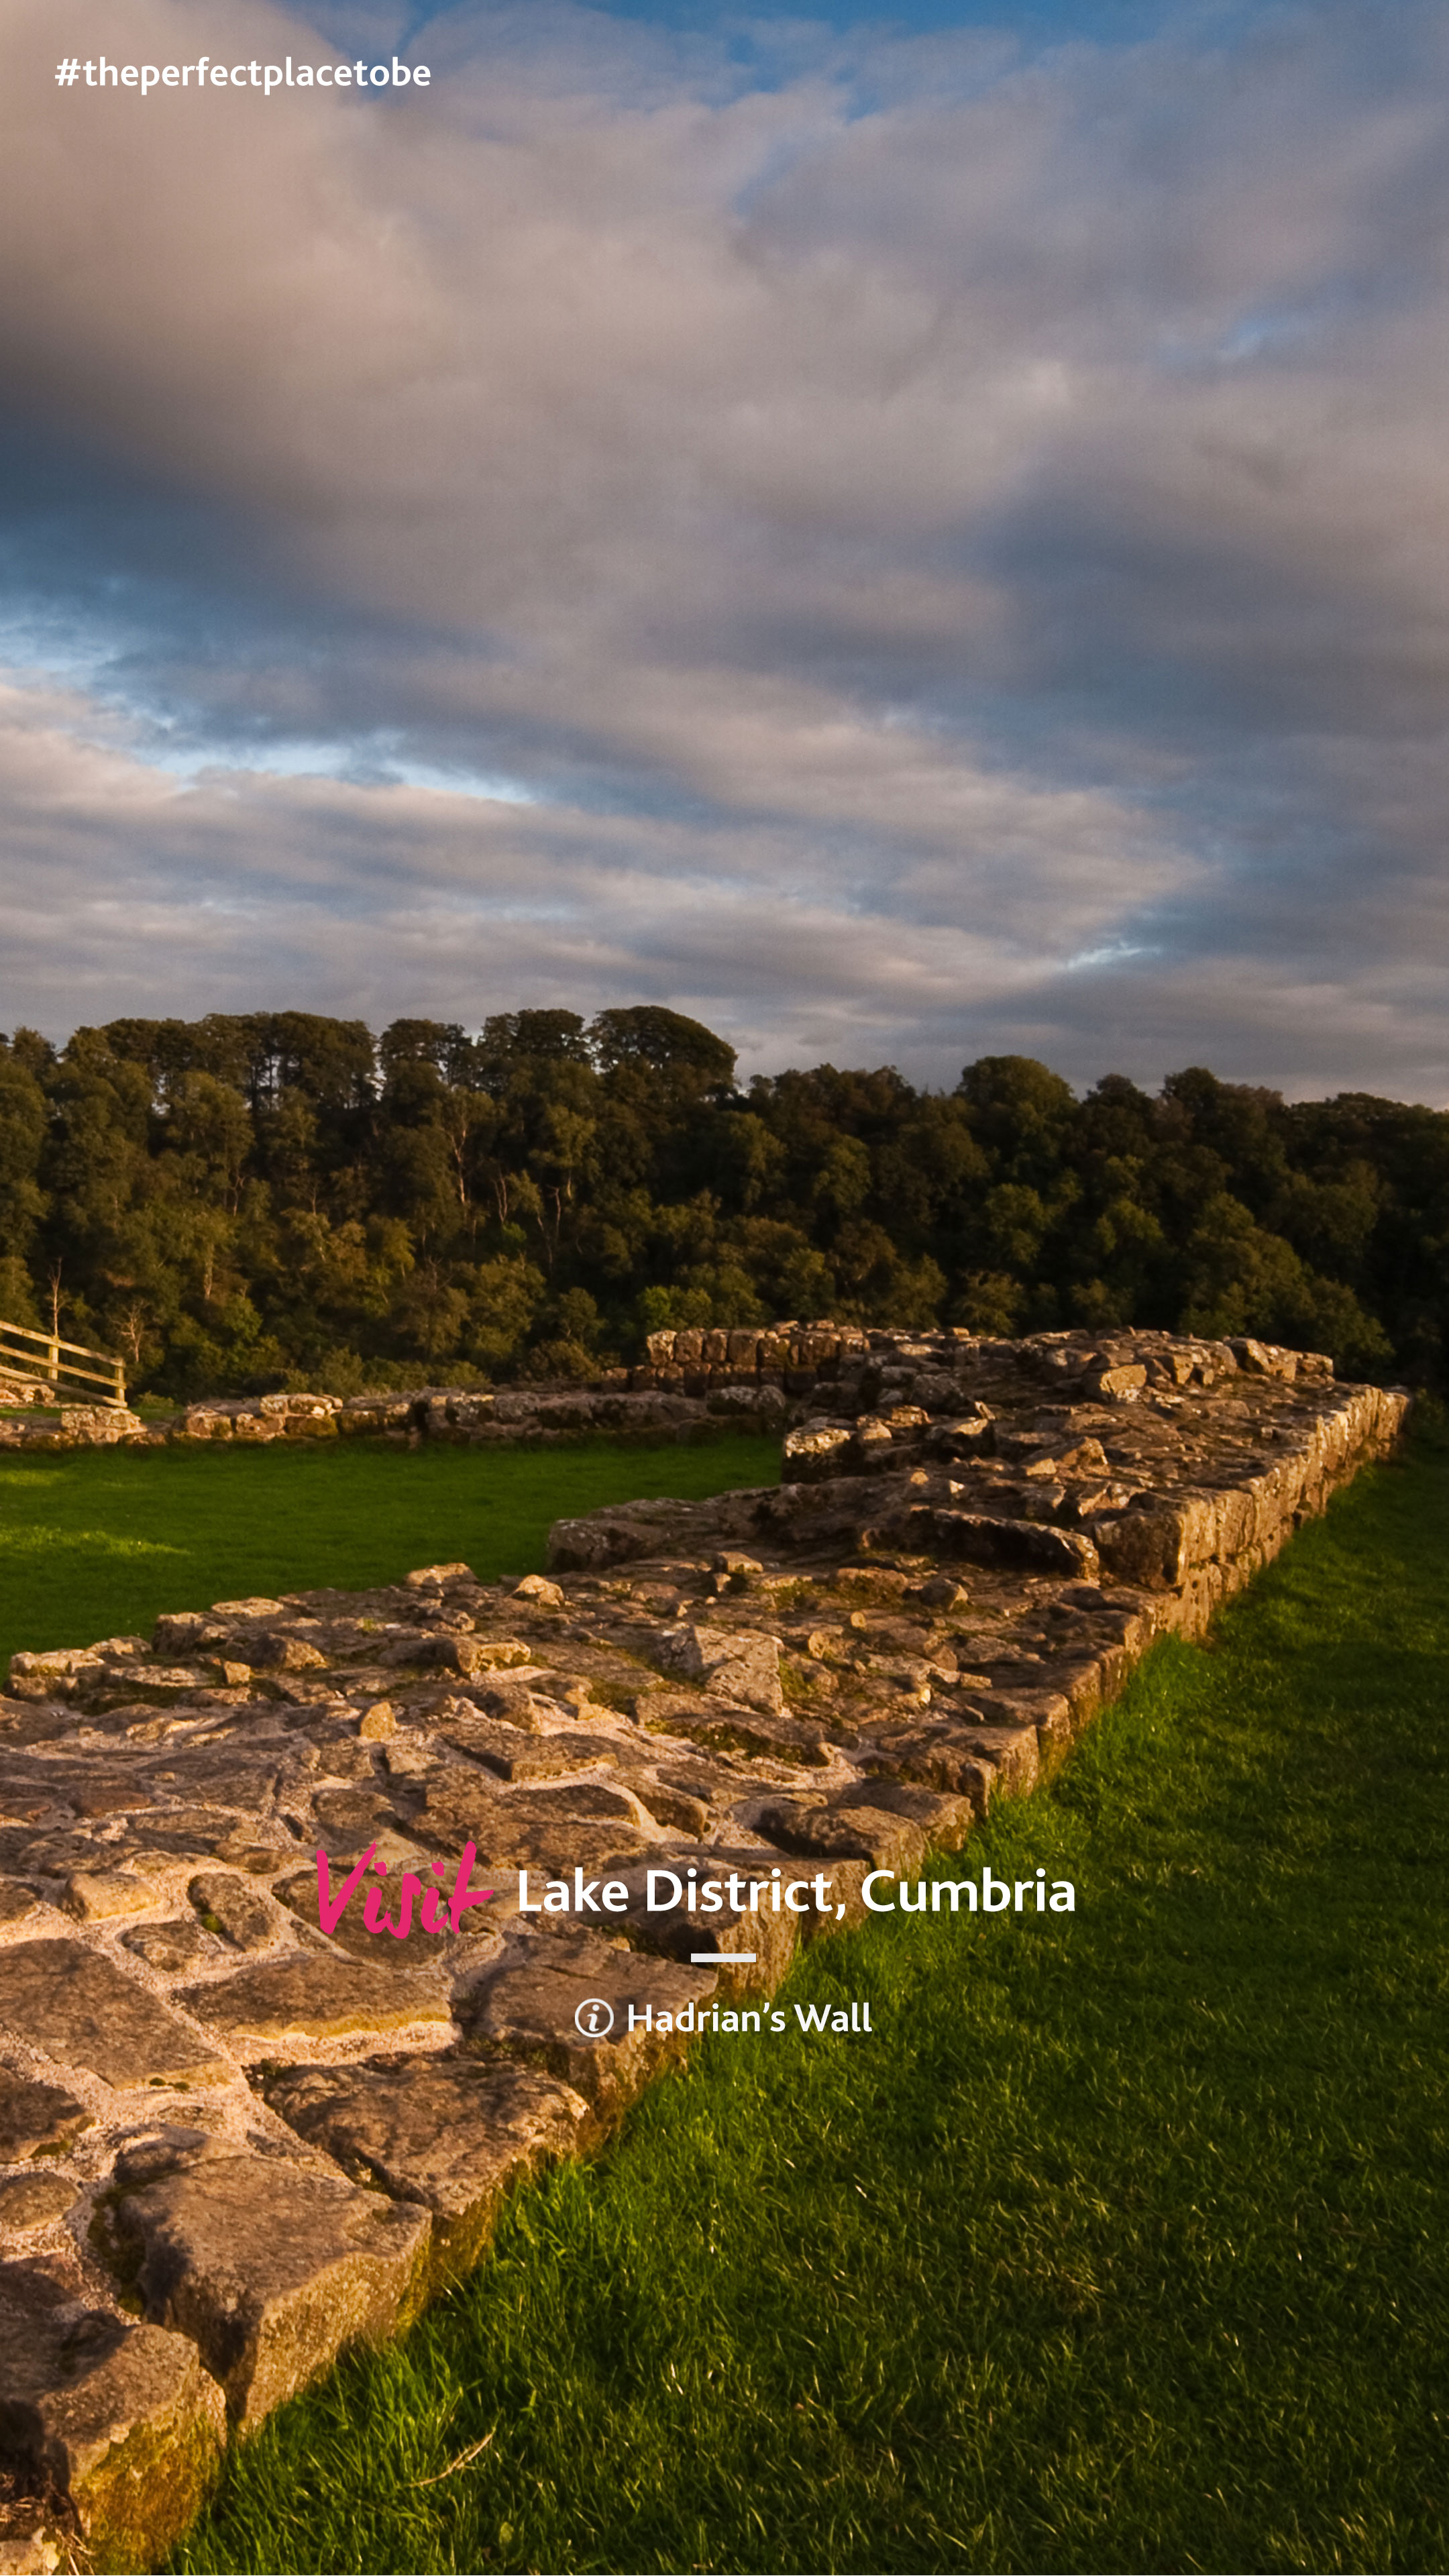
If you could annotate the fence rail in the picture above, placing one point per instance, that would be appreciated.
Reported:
(45, 1361)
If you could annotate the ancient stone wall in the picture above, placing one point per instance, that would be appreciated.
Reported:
(692, 1383)
(514, 1417)
(231, 2143)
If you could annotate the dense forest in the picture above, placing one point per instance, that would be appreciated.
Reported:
(279, 1199)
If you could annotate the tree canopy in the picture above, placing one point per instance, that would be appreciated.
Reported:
(279, 1198)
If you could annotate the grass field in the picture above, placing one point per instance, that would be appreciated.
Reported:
(1122, 2245)
(96, 1544)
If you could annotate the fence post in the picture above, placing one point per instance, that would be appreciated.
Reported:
(53, 1363)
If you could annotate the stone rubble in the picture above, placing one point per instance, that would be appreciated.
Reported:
(20, 1385)
(230, 2145)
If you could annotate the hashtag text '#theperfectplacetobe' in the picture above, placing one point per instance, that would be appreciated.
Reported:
(263, 76)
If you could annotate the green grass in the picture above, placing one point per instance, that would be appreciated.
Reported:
(96, 1544)
(1121, 2246)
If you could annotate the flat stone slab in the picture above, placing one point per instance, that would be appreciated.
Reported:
(741, 1664)
(311, 1995)
(72, 2003)
(450, 2134)
(175, 1946)
(99, 1895)
(36, 2119)
(270, 2271)
(32, 2200)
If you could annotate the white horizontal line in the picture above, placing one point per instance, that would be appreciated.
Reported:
(721, 1958)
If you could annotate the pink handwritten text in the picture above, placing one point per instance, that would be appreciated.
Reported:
(330, 1908)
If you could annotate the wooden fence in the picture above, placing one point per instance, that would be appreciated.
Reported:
(43, 1360)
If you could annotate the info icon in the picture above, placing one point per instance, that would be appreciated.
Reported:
(594, 2018)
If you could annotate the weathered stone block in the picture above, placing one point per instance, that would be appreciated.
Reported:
(1013, 1752)
(99, 1895)
(37, 2119)
(815, 1450)
(537, 1589)
(836, 1832)
(532, 2009)
(1116, 1385)
(59, 1664)
(969, 1435)
(725, 1727)
(944, 1817)
(181, 1632)
(77, 2006)
(227, 1905)
(171, 1947)
(270, 2270)
(731, 1663)
(1050, 1714)
(29, 2201)
(273, 1650)
(120, 2420)
(311, 1995)
(939, 1758)
(448, 2134)
(985, 1540)
(460, 1653)
(680, 1811)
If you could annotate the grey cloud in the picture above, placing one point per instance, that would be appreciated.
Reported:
(237, 883)
(915, 524)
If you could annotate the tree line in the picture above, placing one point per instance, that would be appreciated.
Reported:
(277, 1198)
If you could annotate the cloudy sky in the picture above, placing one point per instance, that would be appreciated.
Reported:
(904, 536)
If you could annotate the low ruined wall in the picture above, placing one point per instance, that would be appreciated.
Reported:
(231, 2143)
(514, 1417)
(692, 1384)
(511, 1417)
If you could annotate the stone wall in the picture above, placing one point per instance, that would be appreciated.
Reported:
(514, 1417)
(692, 1383)
(230, 2144)
(510, 1418)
